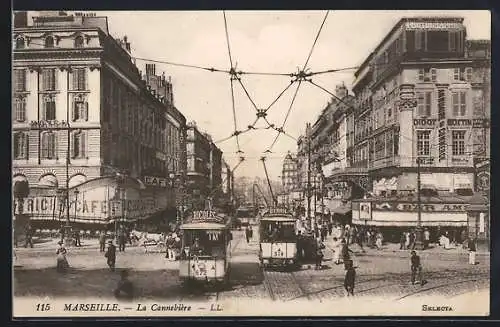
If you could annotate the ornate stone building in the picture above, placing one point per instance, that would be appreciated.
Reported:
(83, 112)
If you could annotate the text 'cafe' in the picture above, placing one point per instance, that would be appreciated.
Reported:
(97, 202)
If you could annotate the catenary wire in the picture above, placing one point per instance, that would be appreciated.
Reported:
(315, 40)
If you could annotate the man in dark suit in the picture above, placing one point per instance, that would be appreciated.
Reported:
(111, 255)
(416, 268)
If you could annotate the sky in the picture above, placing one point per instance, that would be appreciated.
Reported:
(260, 41)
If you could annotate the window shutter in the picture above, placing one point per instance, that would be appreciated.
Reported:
(428, 103)
(462, 103)
(16, 145)
(456, 74)
(468, 74)
(74, 79)
(45, 145)
(421, 75)
(76, 145)
(86, 111)
(83, 145)
(45, 80)
(455, 102)
(433, 74)
(52, 145)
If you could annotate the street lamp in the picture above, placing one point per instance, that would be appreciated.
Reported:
(76, 201)
(419, 244)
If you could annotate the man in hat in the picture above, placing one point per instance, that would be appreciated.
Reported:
(111, 255)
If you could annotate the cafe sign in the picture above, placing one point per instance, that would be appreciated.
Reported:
(428, 207)
(436, 26)
(155, 181)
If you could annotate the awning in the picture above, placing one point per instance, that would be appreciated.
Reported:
(342, 210)
(410, 223)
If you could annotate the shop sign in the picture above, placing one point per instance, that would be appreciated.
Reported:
(438, 26)
(365, 211)
(478, 122)
(48, 123)
(155, 181)
(459, 122)
(278, 211)
(44, 205)
(434, 207)
(425, 160)
(424, 122)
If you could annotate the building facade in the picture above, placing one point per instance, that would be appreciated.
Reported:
(82, 112)
(289, 173)
(204, 167)
(422, 111)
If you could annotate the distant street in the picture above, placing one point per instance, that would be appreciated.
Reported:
(379, 273)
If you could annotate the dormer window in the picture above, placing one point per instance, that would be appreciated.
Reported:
(20, 43)
(49, 42)
(79, 41)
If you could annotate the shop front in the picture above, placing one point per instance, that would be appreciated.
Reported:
(102, 203)
(440, 215)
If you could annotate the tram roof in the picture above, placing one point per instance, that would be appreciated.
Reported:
(203, 225)
(278, 218)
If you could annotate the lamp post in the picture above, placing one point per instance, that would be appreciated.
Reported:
(419, 244)
(76, 202)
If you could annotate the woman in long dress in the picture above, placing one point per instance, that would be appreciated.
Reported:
(62, 261)
(336, 251)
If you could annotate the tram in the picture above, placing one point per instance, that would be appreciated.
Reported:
(246, 215)
(278, 238)
(206, 248)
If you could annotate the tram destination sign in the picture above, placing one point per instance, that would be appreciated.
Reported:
(278, 211)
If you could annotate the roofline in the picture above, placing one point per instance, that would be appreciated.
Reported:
(398, 25)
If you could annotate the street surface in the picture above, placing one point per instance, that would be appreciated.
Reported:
(384, 273)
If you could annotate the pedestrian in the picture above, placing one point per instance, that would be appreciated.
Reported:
(78, 242)
(379, 239)
(412, 240)
(62, 261)
(251, 231)
(427, 238)
(402, 241)
(416, 268)
(61, 233)
(330, 227)
(336, 251)
(28, 240)
(102, 241)
(247, 234)
(299, 245)
(111, 255)
(319, 253)
(472, 251)
(125, 288)
(350, 277)
(324, 232)
(345, 252)
(121, 240)
(360, 239)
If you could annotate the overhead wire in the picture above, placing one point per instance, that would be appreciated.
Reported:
(316, 40)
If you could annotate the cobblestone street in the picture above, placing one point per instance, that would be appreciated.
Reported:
(379, 273)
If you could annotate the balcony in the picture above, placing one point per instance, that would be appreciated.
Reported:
(384, 162)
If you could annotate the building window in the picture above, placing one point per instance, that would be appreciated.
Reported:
(20, 44)
(459, 102)
(20, 145)
(419, 40)
(79, 145)
(424, 102)
(48, 145)
(49, 109)
(79, 79)
(427, 75)
(79, 41)
(80, 109)
(49, 42)
(19, 80)
(458, 143)
(423, 143)
(462, 74)
(49, 79)
(20, 109)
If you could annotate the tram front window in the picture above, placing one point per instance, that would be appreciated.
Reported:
(278, 232)
(204, 243)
